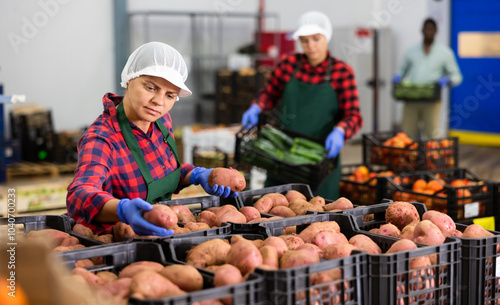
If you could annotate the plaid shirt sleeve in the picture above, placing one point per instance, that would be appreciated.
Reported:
(347, 93)
(273, 90)
(86, 193)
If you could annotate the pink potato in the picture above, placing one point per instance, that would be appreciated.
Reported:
(162, 216)
(53, 236)
(222, 209)
(227, 177)
(186, 277)
(325, 238)
(185, 218)
(250, 213)
(227, 275)
(290, 230)
(179, 230)
(408, 231)
(340, 204)
(231, 216)
(427, 233)
(83, 230)
(365, 243)
(105, 238)
(258, 220)
(269, 256)
(402, 245)
(278, 243)
(315, 250)
(282, 211)
(292, 194)
(389, 229)
(292, 241)
(197, 226)
(334, 251)
(210, 252)
(301, 206)
(67, 248)
(476, 231)
(264, 204)
(401, 213)
(245, 256)
(122, 231)
(70, 241)
(181, 209)
(318, 200)
(208, 217)
(308, 233)
(84, 263)
(92, 279)
(151, 285)
(107, 276)
(278, 199)
(296, 258)
(134, 268)
(274, 218)
(444, 222)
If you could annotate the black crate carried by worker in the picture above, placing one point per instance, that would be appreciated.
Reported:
(287, 156)
(400, 153)
(404, 91)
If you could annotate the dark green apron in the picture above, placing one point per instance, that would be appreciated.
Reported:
(312, 109)
(163, 188)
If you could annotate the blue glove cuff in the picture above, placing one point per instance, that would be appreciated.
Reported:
(255, 108)
(341, 130)
(119, 210)
(194, 175)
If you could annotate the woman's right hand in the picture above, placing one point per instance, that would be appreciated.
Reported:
(251, 116)
(130, 212)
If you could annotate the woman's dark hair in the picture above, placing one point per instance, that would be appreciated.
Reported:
(431, 21)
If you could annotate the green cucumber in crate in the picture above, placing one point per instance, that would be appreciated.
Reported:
(310, 144)
(280, 139)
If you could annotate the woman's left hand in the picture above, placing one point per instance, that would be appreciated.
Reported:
(199, 175)
(334, 142)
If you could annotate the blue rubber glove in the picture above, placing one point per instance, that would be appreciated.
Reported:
(334, 142)
(130, 212)
(251, 116)
(199, 175)
(396, 79)
(444, 81)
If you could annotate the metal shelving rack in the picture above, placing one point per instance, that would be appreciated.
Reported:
(197, 57)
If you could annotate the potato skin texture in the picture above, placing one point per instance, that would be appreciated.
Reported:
(401, 213)
(227, 275)
(186, 277)
(211, 252)
(244, 255)
(161, 216)
(427, 233)
(227, 177)
(282, 211)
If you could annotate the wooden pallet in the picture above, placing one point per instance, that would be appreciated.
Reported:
(38, 169)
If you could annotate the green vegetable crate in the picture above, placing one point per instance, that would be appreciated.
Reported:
(412, 92)
(287, 156)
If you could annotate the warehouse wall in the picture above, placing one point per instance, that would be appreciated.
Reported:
(60, 52)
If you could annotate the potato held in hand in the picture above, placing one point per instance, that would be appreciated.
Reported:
(227, 177)
(161, 216)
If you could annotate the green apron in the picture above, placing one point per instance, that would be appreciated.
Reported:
(159, 190)
(312, 109)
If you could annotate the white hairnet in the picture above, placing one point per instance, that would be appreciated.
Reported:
(157, 59)
(313, 22)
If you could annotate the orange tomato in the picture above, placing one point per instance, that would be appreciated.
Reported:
(434, 186)
(419, 185)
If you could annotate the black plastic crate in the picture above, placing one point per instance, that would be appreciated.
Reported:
(419, 155)
(387, 273)
(25, 224)
(413, 92)
(312, 174)
(390, 276)
(360, 191)
(292, 286)
(118, 256)
(462, 204)
(480, 269)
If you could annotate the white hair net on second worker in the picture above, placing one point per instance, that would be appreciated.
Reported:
(160, 60)
(313, 22)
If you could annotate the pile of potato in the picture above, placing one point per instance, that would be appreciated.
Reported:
(146, 280)
(294, 203)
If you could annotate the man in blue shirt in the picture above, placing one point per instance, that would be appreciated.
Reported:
(426, 63)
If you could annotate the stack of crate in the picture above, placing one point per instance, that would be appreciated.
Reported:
(235, 92)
